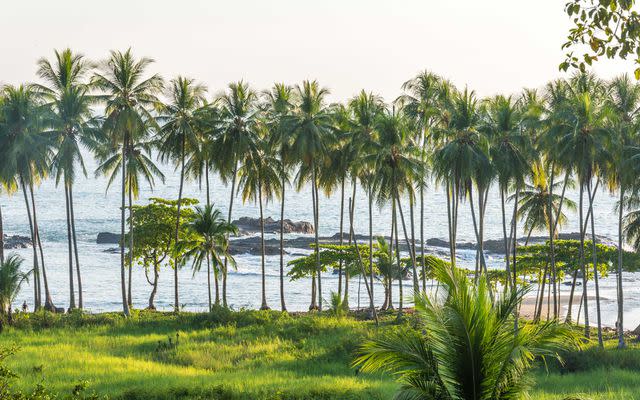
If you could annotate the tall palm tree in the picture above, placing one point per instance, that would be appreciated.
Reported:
(581, 144)
(130, 96)
(509, 152)
(260, 182)
(211, 243)
(238, 129)
(67, 93)
(178, 137)
(624, 99)
(278, 106)
(465, 348)
(11, 280)
(366, 108)
(139, 166)
(421, 102)
(310, 125)
(461, 156)
(396, 164)
(25, 151)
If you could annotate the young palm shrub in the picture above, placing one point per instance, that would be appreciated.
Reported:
(465, 347)
(11, 280)
(210, 243)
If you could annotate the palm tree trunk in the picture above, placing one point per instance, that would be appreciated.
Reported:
(264, 305)
(48, 303)
(209, 280)
(352, 204)
(371, 303)
(571, 294)
(536, 317)
(413, 233)
(75, 249)
(552, 234)
(1, 237)
(504, 231)
(206, 181)
(129, 296)
(450, 224)
(362, 271)
(400, 275)
(224, 269)
(72, 295)
(125, 303)
(416, 288)
(176, 301)
(554, 273)
(595, 266)
(316, 239)
(341, 235)
(314, 305)
(422, 264)
(587, 332)
(283, 306)
(619, 325)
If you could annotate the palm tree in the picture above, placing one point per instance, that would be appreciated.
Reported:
(509, 153)
(581, 145)
(129, 97)
(259, 182)
(462, 155)
(366, 107)
(11, 280)
(464, 347)
(211, 243)
(139, 165)
(278, 106)
(420, 102)
(25, 151)
(68, 96)
(625, 101)
(310, 125)
(238, 129)
(396, 164)
(179, 136)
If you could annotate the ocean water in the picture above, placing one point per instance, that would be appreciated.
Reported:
(97, 210)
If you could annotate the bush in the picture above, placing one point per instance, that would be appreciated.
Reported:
(598, 358)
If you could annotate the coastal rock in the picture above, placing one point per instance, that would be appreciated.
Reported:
(16, 242)
(108, 238)
(248, 225)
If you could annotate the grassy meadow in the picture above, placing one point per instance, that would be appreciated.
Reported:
(246, 355)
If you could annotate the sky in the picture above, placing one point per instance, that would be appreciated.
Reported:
(491, 46)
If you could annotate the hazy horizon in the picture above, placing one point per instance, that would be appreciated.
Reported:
(494, 46)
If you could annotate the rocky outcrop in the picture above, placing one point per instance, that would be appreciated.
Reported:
(247, 225)
(16, 242)
(108, 238)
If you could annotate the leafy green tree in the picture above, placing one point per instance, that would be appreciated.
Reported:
(154, 229)
(129, 96)
(602, 29)
(465, 347)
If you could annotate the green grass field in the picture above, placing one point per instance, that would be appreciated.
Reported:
(225, 355)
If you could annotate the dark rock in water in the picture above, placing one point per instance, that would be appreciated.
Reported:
(108, 238)
(112, 250)
(248, 225)
(16, 242)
